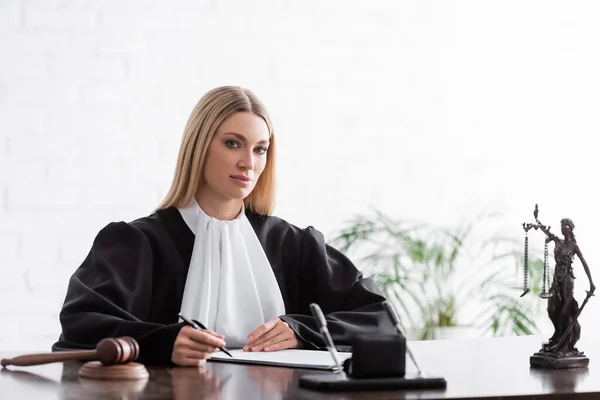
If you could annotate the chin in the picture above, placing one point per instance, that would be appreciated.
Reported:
(239, 194)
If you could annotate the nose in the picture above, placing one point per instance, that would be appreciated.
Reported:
(246, 160)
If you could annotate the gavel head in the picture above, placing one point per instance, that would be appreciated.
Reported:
(117, 350)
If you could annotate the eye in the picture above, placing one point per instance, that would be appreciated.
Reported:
(261, 150)
(232, 144)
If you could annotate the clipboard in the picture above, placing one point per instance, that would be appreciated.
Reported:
(291, 358)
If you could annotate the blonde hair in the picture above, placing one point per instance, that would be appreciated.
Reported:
(206, 117)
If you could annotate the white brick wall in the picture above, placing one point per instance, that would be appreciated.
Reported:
(425, 109)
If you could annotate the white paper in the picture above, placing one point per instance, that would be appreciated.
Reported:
(296, 358)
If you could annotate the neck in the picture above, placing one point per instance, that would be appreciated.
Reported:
(224, 210)
(568, 238)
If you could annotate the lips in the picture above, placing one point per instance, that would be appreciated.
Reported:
(241, 178)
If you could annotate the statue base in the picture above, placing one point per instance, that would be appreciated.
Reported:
(551, 360)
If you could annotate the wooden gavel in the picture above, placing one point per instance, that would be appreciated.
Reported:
(109, 351)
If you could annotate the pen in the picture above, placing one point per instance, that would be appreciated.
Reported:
(318, 314)
(200, 327)
(396, 321)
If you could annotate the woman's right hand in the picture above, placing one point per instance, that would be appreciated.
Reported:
(193, 347)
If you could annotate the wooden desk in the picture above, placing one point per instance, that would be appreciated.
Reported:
(475, 369)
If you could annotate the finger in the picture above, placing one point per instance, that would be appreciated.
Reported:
(259, 342)
(205, 338)
(282, 327)
(285, 335)
(262, 329)
(273, 340)
(215, 334)
(188, 343)
(188, 353)
(277, 330)
(201, 336)
(291, 343)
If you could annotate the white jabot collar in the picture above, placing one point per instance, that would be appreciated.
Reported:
(230, 286)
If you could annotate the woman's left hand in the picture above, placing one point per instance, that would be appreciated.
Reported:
(273, 335)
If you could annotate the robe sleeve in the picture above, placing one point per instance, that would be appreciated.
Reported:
(352, 305)
(110, 295)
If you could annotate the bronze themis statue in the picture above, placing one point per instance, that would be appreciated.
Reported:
(563, 309)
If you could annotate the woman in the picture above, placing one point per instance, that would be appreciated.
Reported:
(562, 306)
(213, 252)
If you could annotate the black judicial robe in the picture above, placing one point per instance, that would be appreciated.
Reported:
(132, 281)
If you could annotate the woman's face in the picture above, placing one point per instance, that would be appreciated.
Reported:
(236, 157)
(566, 229)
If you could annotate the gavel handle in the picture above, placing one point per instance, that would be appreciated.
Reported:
(59, 356)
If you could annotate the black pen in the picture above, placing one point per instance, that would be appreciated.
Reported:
(322, 324)
(200, 327)
(396, 322)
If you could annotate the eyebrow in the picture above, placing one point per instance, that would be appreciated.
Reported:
(243, 139)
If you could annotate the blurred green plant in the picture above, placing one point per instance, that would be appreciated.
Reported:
(434, 276)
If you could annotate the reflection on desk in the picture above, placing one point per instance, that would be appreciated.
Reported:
(196, 383)
(560, 380)
(269, 383)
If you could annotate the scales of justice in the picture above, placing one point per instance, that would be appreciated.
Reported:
(563, 310)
